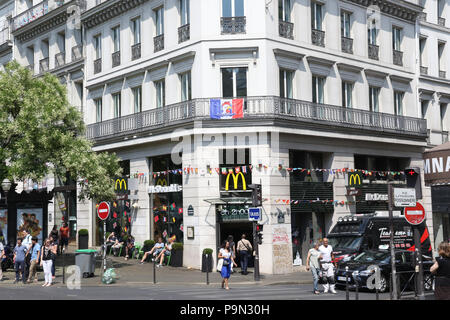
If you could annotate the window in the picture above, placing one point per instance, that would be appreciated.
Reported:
(372, 33)
(116, 38)
(424, 108)
(98, 110)
(398, 103)
(232, 8)
(234, 82)
(185, 12)
(347, 90)
(345, 24)
(441, 47)
(136, 29)
(98, 46)
(422, 42)
(137, 99)
(284, 10)
(160, 93)
(286, 79)
(373, 99)
(316, 16)
(318, 89)
(440, 7)
(117, 105)
(443, 107)
(185, 79)
(159, 14)
(396, 38)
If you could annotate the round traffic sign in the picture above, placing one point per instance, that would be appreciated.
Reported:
(415, 215)
(103, 210)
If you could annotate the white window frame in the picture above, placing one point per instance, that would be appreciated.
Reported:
(136, 30)
(98, 110)
(346, 19)
(314, 23)
(185, 12)
(288, 94)
(117, 104)
(98, 46)
(233, 8)
(398, 103)
(286, 10)
(316, 82)
(159, 21)
(186, 86)
(160, 90)
(374, 107)
(116, 38)
(235, 71)
(134, 90)
(346, 85)
(397, 43)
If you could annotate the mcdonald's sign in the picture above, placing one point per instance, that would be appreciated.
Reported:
(121, 186)
(161, 182)
(235, 181)
(354, 179)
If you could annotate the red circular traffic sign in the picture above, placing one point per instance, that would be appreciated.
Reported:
(103, 210)
(415, 215)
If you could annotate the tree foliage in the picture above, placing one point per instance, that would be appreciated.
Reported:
(42, 134)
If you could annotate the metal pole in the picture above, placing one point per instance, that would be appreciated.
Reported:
(104, 246)
(64, 266)
(256, 262)
(391, 242)
(419, 264)
(154, 271)
(208, 263)
(347, 294)
(356, 287)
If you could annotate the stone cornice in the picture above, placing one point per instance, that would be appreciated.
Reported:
(398, 8)
(108, 10)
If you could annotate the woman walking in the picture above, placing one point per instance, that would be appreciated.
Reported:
(312, 262)
(47, 254)
(441, 270)
(225, 254)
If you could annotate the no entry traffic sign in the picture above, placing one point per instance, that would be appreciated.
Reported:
(415, 215)
(103, 210)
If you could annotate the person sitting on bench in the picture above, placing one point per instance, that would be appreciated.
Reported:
(156, 250)
(165, 252)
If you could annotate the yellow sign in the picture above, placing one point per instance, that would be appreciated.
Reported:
(161, 182)
(235, 181)
(121, 183)
(354, 179)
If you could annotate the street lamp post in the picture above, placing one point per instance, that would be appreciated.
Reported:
(6, 186)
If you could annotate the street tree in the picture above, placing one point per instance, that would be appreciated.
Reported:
(41, 134)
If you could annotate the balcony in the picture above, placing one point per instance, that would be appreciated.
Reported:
(286, 29)
(44, 65)
(232, 25)
(442, 74)
(34, 13)
(441, 21)
(136, 51)
(60, 59)
(77, 53)
(115, 59)
(158, 43)
(318, 37)
(4, 36)
(423, 70)
(347, 45)
(256, 109)
(98, 66)
(398, 58)
(184, 33)
(423, 16)
(373, 51)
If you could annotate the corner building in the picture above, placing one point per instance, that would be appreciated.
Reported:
(327, 87)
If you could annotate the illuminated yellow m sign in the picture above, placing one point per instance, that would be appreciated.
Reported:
(235, 181)
(354, 179)
(161, 182)
(122, 183)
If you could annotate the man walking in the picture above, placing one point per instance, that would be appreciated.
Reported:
(64, 235)
(327, 257)
(244, 249)
(34, 251)
(19, 260)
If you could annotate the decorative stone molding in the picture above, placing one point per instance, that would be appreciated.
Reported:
(375, 78)
(349, 72)
(288, 59)
(233, 53)
(34, 29)
(183, 63)
(398, 8)
(319, 66)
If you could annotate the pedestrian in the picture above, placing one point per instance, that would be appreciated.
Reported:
(129, 248)
(441, 270)
(244, 249)
(312, 263)
(2, 254)
(326, 259)
(225, 254)
(54, 235)
(64, 234)
(55, 249)
(47, 253)
(34, 254)
(232, 249)
(26, 239)
(19, 260)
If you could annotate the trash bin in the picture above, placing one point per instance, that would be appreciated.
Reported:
(85, 260)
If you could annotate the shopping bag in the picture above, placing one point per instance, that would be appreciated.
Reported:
(220, 265)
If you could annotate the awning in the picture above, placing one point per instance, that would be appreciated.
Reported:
(437, 165)
(233, 200)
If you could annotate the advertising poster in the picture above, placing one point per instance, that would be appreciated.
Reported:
(4, 225)
(31, 220)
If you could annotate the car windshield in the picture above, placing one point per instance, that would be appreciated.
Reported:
(371, 256)
(349, 242)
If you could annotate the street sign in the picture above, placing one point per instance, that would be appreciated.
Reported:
(254, 214)
(415, 215)
(103, 211)
(190, 210)
(404, 197)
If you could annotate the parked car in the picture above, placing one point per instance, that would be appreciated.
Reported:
(405, 267)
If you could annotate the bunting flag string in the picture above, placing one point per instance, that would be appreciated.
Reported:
(328, 201)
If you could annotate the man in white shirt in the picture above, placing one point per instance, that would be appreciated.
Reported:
(326, 258)
(27, 239)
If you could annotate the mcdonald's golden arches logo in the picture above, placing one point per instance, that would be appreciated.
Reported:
(354, 179)
(235, 181)
(161, 182)
(121, 183)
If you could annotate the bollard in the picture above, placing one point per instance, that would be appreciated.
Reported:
(347, 294)
(356, 287)
(207, 268)
(390, 288)
(154, 271)
(64, 265)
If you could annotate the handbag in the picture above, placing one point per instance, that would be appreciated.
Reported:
(220, 265)
(225, 263)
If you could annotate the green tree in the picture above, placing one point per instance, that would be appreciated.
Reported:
(42, 134)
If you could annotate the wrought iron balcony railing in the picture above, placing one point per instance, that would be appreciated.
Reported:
(136, 51)
(347, 45)
(98, 66)
(318, 37)
(115, 59)
(423, 70)
(44, 65)
(442, 74)
(60, 59)
(158, 42)
(184, 33)
(441, 21)
(397, 58)
(373, 51)
(286, 29)
(34, 13)
(256, 108)
(77, 53)
(232, 25)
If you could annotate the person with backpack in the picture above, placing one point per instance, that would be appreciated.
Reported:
(244, 249)
(34, 252)
(48, 252)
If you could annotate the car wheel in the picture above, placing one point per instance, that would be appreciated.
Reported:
(428, 282)
(383, 284)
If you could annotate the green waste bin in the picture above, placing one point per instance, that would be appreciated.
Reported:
(85, 260)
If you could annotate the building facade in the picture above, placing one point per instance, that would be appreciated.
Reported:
(318, 91)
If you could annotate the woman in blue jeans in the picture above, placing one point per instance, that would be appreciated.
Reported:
(312, 262)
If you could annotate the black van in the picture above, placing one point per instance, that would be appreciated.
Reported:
(358, 233)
